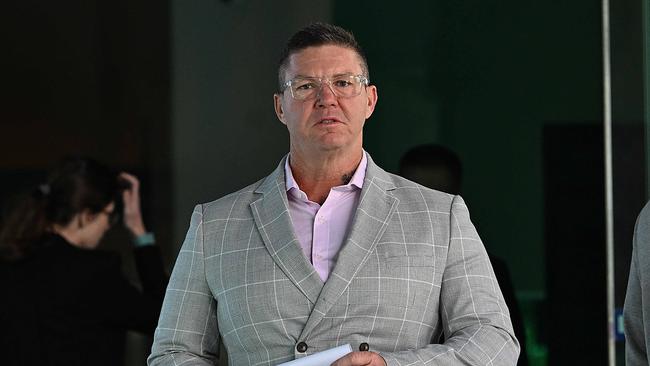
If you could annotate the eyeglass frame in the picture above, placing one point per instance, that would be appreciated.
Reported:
(363, 79)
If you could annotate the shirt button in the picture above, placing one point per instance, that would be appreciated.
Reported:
(301, 347)
(364, 347)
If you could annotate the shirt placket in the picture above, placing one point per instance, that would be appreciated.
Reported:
(321, 241)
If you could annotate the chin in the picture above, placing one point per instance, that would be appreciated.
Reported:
(331, 147)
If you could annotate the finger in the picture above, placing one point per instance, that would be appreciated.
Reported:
(132, 179)
(127, 199)
(132, 194)
(128, 193)
(355, 359)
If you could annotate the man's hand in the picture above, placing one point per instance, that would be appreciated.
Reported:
(360, 359)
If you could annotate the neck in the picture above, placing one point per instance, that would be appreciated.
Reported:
(316, 175)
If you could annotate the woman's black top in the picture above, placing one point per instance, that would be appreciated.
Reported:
(65, 305)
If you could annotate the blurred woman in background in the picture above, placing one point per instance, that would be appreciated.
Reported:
(63, 301)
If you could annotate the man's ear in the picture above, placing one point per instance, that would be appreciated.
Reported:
(371, 92)
(277, 104)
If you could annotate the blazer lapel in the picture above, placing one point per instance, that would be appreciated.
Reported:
(375, 209)
(271, 214)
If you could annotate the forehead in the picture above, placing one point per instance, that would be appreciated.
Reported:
(324, 60)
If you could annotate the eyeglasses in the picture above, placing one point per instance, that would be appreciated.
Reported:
(343, 86)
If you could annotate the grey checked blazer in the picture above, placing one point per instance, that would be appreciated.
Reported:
(412, 280)
(636, 311)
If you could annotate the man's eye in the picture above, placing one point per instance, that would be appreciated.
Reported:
(305, 86)
(342, 83)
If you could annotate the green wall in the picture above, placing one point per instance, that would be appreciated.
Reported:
(483, 78)
(225, 134)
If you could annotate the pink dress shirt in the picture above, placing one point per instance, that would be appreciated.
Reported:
(322, 229)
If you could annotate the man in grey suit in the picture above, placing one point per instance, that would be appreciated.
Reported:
(330, 249)
(636, 312)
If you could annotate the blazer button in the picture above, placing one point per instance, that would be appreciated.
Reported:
(364, 347)
(301, 347)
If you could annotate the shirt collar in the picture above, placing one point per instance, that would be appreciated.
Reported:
(357, 178)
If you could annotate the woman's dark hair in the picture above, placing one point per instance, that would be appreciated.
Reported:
(77, 184)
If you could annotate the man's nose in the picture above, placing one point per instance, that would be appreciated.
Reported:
(326, 95)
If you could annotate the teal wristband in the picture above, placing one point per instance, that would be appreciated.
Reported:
(144, 240)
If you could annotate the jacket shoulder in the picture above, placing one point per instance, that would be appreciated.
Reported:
(642, 227)
(409, 192)
(232, 203)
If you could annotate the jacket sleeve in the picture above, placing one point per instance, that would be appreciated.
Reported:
(187, 330)
(636, 352)
(475, 319)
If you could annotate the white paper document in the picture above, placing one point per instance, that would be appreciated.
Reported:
(323, 358)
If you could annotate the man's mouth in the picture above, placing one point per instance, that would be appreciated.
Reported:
(328, 121)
